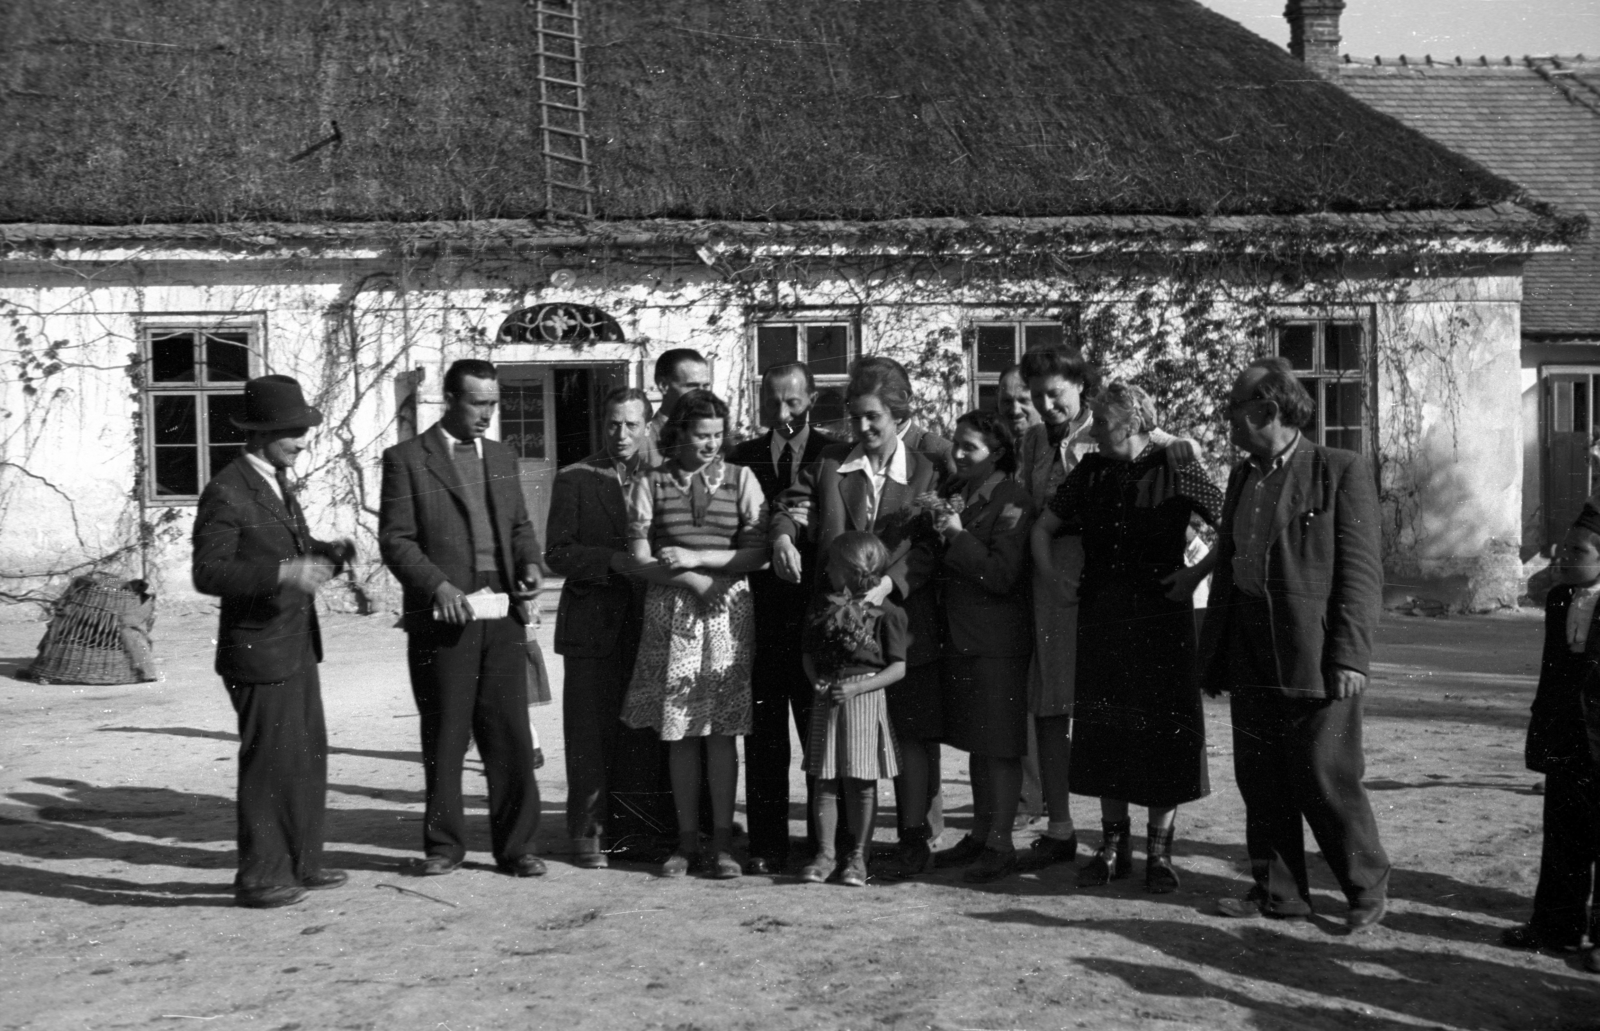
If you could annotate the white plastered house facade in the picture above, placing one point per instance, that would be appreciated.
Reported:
(125, 350)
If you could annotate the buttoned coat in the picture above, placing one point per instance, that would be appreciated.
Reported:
(242, 532)
(1324, 572)
(983, 576)
(425, 532)
(588, 525)
(825, 503)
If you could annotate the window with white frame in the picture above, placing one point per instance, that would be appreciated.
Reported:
(995, 346)
(1331, 356)
(193, 388)
(828, 347)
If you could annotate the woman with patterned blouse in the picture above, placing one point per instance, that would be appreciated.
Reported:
(1139, 735)
(698, 526)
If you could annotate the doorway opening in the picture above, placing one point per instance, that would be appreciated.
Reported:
(550, 415)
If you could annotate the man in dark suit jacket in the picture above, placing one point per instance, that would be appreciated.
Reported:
(1296, 597)
(253, 550)
(790, 446)
(453, 521)
(617, 790)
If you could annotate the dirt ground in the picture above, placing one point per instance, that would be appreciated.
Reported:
(116, 853)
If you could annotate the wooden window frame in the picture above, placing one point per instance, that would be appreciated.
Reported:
(979, 379)
(1317, 377)
(799, 322)
(202, 389)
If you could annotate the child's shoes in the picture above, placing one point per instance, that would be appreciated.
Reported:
(855, 871)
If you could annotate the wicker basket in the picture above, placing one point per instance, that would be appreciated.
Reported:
(100, 634)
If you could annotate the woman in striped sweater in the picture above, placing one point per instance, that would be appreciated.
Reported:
(698, 526)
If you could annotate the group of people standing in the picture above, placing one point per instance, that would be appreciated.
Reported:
(1019, 592)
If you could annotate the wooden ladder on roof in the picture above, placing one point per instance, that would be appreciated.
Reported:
(568, 188)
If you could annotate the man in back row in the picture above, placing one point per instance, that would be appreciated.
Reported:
(779, 685)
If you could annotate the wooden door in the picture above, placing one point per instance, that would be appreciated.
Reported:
(1570, 410)
(527, 426)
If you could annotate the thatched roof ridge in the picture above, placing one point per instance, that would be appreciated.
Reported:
(190, 111)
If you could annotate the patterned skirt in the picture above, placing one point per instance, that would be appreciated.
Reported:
(692, 677)
(852, 740)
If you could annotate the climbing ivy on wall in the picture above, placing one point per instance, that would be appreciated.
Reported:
(1180, 321)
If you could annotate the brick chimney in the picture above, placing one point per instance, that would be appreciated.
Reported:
(1314, 33)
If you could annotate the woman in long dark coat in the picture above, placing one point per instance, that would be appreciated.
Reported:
(1139, 731)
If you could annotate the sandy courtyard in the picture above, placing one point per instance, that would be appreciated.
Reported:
(116, 855)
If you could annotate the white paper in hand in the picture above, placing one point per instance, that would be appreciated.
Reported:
(484, 604)
(487, 604)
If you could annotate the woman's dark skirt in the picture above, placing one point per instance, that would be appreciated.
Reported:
(986, 704)
(1139, 729)
(915, 709)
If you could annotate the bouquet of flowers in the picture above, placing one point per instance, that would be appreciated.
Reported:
(841, 629)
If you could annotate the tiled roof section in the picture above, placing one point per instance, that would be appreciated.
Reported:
(1536, 122)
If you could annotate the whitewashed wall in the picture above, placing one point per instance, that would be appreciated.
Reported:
(347, 325)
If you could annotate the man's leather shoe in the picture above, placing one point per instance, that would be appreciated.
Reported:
(270, 898)
(525, 866)
(436, 866)
(324, 879)
(590, 860)
(1366, 912)
(764, 866)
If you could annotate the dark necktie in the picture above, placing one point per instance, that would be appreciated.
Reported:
(293, 506)
(786, 466)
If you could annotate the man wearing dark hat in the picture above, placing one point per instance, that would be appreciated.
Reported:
(452, 522)
(253, 550)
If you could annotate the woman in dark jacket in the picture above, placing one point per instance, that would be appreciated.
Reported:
(873, 485)
(988, 639)
(1139, 732)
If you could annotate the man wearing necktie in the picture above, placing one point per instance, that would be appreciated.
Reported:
(252, 549)
(451, 522)
(779, 685)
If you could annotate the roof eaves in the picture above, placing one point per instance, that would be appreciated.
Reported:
(1499, 228)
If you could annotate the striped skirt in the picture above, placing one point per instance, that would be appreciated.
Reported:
(852, 740)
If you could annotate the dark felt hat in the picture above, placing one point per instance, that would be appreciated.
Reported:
(276, 403)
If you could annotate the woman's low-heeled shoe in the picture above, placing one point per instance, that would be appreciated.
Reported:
(818, 870)
(723, 867)
(1112, 861)
(1159, 876)
(854, 874)
(677, 864)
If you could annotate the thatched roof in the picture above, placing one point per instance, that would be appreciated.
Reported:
(127, 111)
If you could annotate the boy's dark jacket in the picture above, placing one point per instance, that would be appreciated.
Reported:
(1564, 731)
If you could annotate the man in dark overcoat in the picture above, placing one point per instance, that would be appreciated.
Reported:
(452, 523)
(779, 685)
(618, 794)
(1295, 601)
(253, 549)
